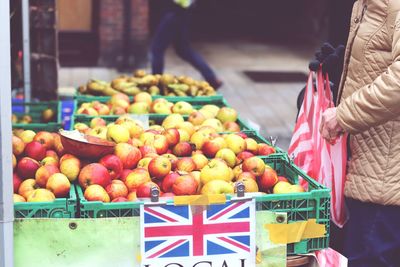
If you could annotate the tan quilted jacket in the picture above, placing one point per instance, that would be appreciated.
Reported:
(369, 102)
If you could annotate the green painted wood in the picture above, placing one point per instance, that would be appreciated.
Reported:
(108, 242)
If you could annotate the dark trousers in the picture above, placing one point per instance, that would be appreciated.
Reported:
(372, 235)
(174, 29)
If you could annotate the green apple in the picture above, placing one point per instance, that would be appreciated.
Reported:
(236, 143)
(99, 131)
(228, 156)
(161, 108)
(216, 124)
(215, 170)
(172, 121)
(226, 114)
(139, 108)
(118, 133)
(183, 108)
(217, 187)
(213, 109)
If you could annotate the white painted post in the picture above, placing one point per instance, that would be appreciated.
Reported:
(6, 185)
(26, 47)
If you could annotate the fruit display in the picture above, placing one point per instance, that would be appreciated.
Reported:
(140, 81)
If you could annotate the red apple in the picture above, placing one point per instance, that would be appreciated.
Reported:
(186, 164)
(27, 187)
(247, 175)
(183, 149)
(45, 138)
(185, 185)
(132, 196)
(125, 174)
(128, 154)
(242, 134)
(159, 167)
(43, 174)
(95, 192)
(211, 147)
(59, 184)
(160, 144)
(27, 167)
(244, 155)
(254, 165)
(94, 173)
(16, 182)
(117, 189)
(18, 146)
(168, 181)
(172, 136)
(120, 199)
(146, 149)
(58, 147)
(231, 126)
(35, 150)
(283, 179)
(113, 164)
(200, 160)
(53, 154)
(168, 195)
(172, 158)
(268, 179)
(265, 149)
(137, 177)
(144, 190)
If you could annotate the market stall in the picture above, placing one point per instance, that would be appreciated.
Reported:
(153, 171)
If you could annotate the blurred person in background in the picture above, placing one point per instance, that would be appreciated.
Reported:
(368, 108)
(174, 29)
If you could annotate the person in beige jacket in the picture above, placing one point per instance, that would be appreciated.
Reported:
(368, 108)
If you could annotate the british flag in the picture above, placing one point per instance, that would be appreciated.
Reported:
(175, 231)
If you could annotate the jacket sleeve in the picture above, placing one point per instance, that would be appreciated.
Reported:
(378, 102)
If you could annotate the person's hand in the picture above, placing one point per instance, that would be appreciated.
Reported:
(331, 60)
(329, 127)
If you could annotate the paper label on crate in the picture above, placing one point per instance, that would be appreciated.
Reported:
(221, 235)
(143, 119)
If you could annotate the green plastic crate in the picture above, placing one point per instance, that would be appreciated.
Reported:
(97, 209)
(59, 208)
(260, 139)
(314, 204)
(191, 99)
(155, 118)
(35, 111)
(196, 104)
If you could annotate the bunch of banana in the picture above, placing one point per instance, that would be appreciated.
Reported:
(165, 84)
(98, 87)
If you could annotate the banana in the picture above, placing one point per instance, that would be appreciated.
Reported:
(109, 91)
(132, 91)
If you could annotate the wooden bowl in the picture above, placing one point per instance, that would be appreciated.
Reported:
(85, 146)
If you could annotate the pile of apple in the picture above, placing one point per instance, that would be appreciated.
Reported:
(165, 84)
(132, 172)
(39, 174)
(223, 118)
(205, 163)
(46, 116)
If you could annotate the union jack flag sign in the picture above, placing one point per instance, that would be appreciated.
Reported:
(176, 234)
